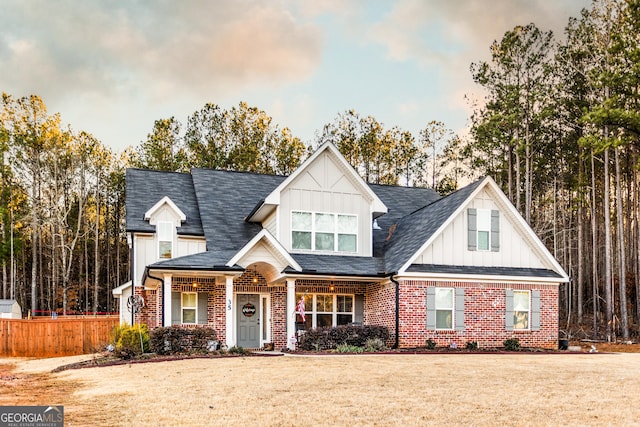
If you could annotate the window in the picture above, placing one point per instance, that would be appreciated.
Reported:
(444, 308)
(326, 310)
(324, 232)
(483, 230)
(189, 307)
(521, 309)
(165, 239)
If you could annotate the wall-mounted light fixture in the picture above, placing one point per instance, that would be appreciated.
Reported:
(255, 275)
(194, 284)
(331, 287)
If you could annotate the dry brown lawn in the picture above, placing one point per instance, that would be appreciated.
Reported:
(360, 390)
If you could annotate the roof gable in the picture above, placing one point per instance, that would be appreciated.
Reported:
(266, 244)
(418, 231)
(146, 187)
(311, 172)
(165, 200)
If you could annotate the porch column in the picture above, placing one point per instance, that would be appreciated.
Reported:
(229, 338)
(166, 300)
(291, 314)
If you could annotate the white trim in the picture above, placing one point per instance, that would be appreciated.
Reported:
(117, 292)
(230, 336)
(452, 310)
(161, 202)
(182, 307)
(264, 234)
(479, 278)
(528, 291)
(521, 224)
(377, 206)
(265, 318)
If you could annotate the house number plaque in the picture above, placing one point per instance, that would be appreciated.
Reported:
(248, 310)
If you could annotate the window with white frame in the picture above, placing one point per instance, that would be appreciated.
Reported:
(326, 232)
(484, 229)
(444, 308)
(326, 310)
(521, 309)
(165, 239)
(189, 307)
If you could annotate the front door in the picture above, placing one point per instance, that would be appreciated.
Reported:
(248, 309)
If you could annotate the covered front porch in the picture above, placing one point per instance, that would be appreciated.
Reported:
(257, 306)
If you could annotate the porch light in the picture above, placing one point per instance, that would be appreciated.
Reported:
(331, 287)
(194, 284)
(255, 275)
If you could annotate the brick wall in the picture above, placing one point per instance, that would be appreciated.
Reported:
(485, 311)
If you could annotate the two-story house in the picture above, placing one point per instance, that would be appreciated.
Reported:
(236, 251)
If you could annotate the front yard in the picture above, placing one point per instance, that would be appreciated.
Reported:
(367, 390)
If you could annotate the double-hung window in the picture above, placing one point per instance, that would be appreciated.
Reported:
(444, 308)
(521, 309)
(165, 239)
(327, 232)
(189, 307)
(483, 230)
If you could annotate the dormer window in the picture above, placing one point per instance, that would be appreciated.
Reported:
(165, 239)
(327, 232)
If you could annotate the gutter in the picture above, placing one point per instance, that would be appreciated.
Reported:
(144, 277)
(397, 343)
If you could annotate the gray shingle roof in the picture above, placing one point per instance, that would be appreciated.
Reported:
(225, 199)
(400, 201)
(413, 230)
(339, 265)
(485, 271)
(210, 260)
(216, 204)
(145, 188)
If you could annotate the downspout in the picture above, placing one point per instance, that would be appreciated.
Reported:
(144, 277)
(397, 343)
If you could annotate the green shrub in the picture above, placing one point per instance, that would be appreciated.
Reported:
(430, 344)
(237, 350)
(374, 344)
(347, 348)
(511, 344)
(132, 341)
(471, 345)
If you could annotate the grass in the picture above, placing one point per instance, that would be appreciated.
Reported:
(355, 390)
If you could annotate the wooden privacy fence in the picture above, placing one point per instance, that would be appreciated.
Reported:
(54, 337)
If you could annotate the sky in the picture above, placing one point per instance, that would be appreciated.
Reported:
(111, 68)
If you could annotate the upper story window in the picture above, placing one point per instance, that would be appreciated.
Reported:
(324, 232)
(165, 239)
(483, 230)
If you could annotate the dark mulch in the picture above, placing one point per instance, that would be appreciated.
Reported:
(108, 360)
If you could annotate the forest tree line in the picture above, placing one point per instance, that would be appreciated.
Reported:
(557, 128)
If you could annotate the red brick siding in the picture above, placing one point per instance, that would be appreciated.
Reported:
(485, 313)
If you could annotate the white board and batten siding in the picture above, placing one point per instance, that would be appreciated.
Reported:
(450, 247)
(324, 187)
(146, 245)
